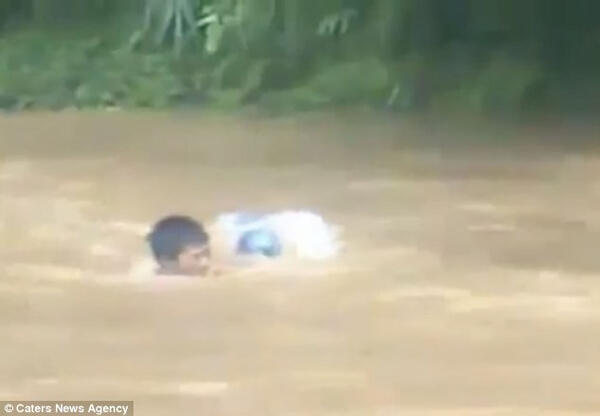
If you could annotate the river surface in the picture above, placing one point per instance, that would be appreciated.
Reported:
(469, 282)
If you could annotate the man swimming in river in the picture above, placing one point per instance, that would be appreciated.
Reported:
(181, 245)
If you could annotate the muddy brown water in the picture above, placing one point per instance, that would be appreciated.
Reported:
(469, 284)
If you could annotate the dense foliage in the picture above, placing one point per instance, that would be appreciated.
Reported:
(495, 56)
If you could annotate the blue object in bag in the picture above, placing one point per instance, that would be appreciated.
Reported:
(259, 241)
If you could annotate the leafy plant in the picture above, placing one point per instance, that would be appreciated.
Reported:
(178, 16)
(215, 22)
(248, 21)
(336, 23)
(82, 73)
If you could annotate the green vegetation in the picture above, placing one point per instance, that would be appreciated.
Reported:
(487, 56)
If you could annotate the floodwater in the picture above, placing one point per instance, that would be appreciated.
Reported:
(469, 284)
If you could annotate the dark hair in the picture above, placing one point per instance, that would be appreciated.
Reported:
(172, 234)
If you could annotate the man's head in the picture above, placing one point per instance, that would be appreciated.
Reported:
(180, 245)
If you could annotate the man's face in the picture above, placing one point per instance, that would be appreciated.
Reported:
(194, 260)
